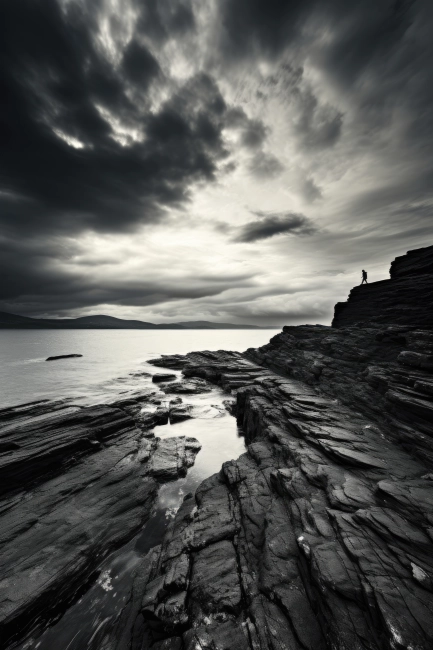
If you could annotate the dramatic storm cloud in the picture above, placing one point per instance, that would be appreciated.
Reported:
(210, 159)
(270, 225)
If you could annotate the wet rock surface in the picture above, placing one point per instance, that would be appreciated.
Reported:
(163, 376)
(189, 387)
(383, 372)
(173, 361)
(180, 412)
(318, 537)
(172, 456)
(77, 483)
(321, 535)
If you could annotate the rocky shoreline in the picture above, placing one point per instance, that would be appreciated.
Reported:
(319, 536)
(77, 483)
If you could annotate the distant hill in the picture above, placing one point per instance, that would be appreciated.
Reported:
(13, 321)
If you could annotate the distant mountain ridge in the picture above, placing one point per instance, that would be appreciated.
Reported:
(99, 321)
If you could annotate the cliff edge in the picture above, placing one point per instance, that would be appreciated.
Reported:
(405, 299)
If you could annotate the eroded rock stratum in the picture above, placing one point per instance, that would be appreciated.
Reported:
(77, 483)
(321, 535)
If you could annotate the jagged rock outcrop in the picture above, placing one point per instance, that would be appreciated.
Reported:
(77, 483)
(405, 299)
(173, 361)
(321, 535)
(385, 373)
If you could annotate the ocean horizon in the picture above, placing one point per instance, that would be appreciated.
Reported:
(109, 362)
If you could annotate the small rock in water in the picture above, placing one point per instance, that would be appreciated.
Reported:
(163, 376)
(180, 412)
(63, 356)
(173, 361)
(189, 387)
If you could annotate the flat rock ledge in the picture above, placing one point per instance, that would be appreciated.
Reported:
(162, 377)
(77, 483)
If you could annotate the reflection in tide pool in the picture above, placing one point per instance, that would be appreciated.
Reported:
(89, 622)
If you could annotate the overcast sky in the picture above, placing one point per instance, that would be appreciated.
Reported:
(227, 160)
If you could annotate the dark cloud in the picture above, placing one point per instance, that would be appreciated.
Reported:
(357, 32)
(33, 282)
(263, 25)
(272, 224)
(365, 35)
(318, 126)
(310, 191)
(236, 118)
(139, 64)
(253, 132)
(161, 20)
(96, 136)
(265, 165)
(63, 159)
(254, 135)
(375, 53)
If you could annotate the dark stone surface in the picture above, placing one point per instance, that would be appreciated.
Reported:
(180, 413)
(385, 373)
(163, 376)
(321, 535)
(309, 540)
(172, 457)
(215, 585)
(174, 361)
(63, 356)
(416, 262)
(77, 483)
(190, 387)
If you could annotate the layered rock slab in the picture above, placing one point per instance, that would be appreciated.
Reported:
(405, 299)
(325, 523)
(385, 373)
(80, 483)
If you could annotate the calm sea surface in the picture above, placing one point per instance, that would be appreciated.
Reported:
(109, 359)
(114, 365)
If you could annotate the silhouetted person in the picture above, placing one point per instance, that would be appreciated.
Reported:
(364, 277)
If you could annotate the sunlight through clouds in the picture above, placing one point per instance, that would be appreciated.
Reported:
(180, 158)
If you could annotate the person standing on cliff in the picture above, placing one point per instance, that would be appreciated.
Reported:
(364, 277)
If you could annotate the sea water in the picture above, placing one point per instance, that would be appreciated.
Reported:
(110, 358)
